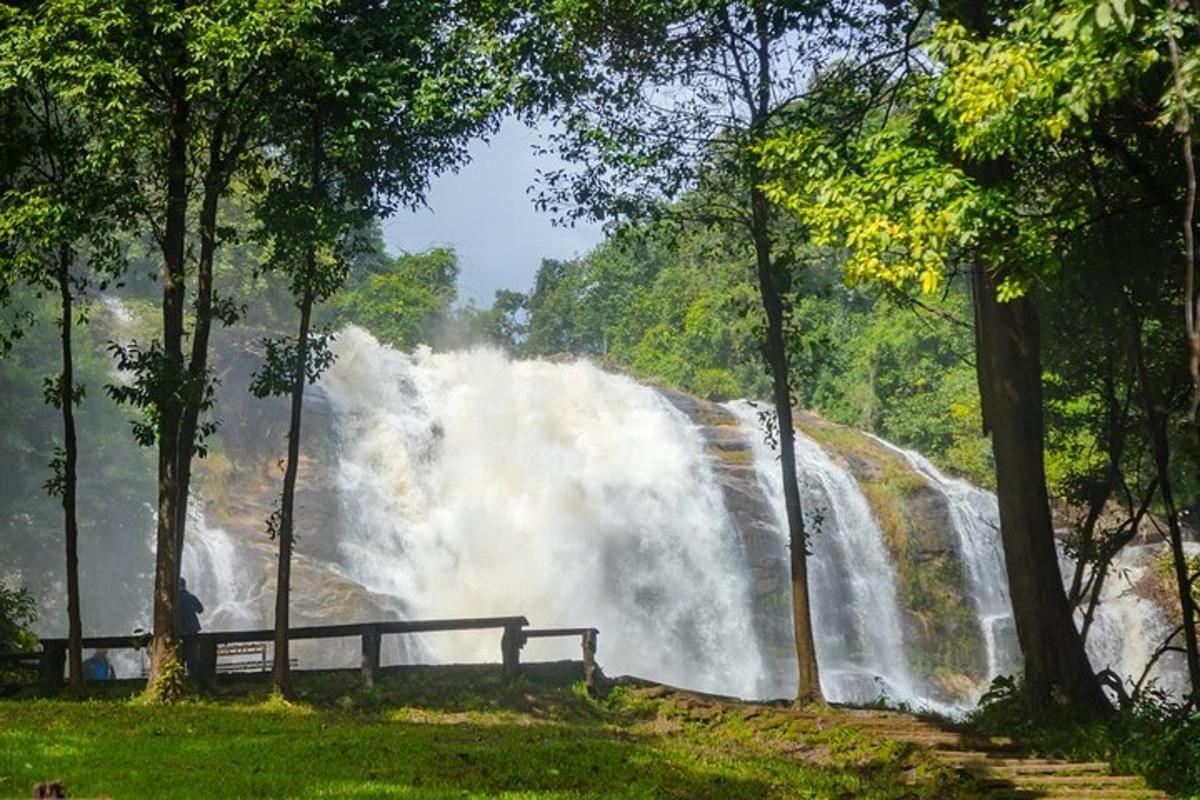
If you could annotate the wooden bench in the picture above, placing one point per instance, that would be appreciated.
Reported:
(236, 657)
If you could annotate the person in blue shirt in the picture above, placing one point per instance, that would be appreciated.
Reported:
(190, 609)
(98, 667)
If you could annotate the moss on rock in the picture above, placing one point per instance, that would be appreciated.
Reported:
(942, 634)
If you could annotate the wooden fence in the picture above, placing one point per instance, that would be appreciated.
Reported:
(52, 658)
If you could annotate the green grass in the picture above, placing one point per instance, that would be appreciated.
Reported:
(439, 734)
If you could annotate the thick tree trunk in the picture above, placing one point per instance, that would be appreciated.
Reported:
(1008, 364)
(280, 672)
(69, 477)
(775, 350)
(1156, 419)
(164, 648)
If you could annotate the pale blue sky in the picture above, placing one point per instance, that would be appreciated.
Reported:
(485, 214)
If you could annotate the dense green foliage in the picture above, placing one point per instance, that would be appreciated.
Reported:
(403, 301)
(17, 611)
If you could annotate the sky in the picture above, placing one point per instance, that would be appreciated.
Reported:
(485, 214)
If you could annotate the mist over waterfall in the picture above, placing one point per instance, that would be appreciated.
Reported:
(475, 485)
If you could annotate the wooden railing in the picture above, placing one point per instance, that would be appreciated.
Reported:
(588, 639)
(53, 655)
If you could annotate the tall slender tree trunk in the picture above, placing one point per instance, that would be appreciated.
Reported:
(281, 668)
(164, 648)
(280, 672)
(1156, 419)
(1009, 369)
(775, 350)
(69, 475)
(197, 368)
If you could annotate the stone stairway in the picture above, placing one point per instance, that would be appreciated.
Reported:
(1000, 764)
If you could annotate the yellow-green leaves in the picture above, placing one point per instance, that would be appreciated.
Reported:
(898, 197)
(1028, 86)
(897, 209)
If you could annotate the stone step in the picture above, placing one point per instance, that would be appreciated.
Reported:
(997, 760)
(982, 761)
(963, 744)
(1099, 781)
(1015, 766)
(1077, 792)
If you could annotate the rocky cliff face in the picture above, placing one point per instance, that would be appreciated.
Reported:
(941, 630)
(766, 555)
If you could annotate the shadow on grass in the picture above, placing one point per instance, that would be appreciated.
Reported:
(422, 733)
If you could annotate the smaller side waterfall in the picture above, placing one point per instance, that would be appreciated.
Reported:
(215, 567)
(856, 614)
(976, 521)
(1128, 626)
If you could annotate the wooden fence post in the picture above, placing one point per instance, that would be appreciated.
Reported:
(53, 662)
(370, 656)
(206, 658)
(589, 660)
(510, 650)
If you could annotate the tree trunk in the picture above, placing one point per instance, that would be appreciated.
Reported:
(1008, 365)
(164, 648)
(198, 364)
(281, 676)
(774, 348)
(69, 473)
(1156, 419)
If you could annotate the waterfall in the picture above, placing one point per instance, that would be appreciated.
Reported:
(975, 517)
(1128, 626)
(476, 485)
(215, 568)
(852, 588)
(469, 484)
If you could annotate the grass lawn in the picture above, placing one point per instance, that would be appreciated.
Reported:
(448, 732)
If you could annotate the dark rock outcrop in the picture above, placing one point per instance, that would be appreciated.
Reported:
(766, 556)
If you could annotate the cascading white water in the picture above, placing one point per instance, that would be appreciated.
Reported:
(852, 587)
(215, 568)
(476, 485)
(1128, 626)
(472, 484)
(975, 517)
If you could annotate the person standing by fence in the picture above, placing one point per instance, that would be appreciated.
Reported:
(190, 609)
